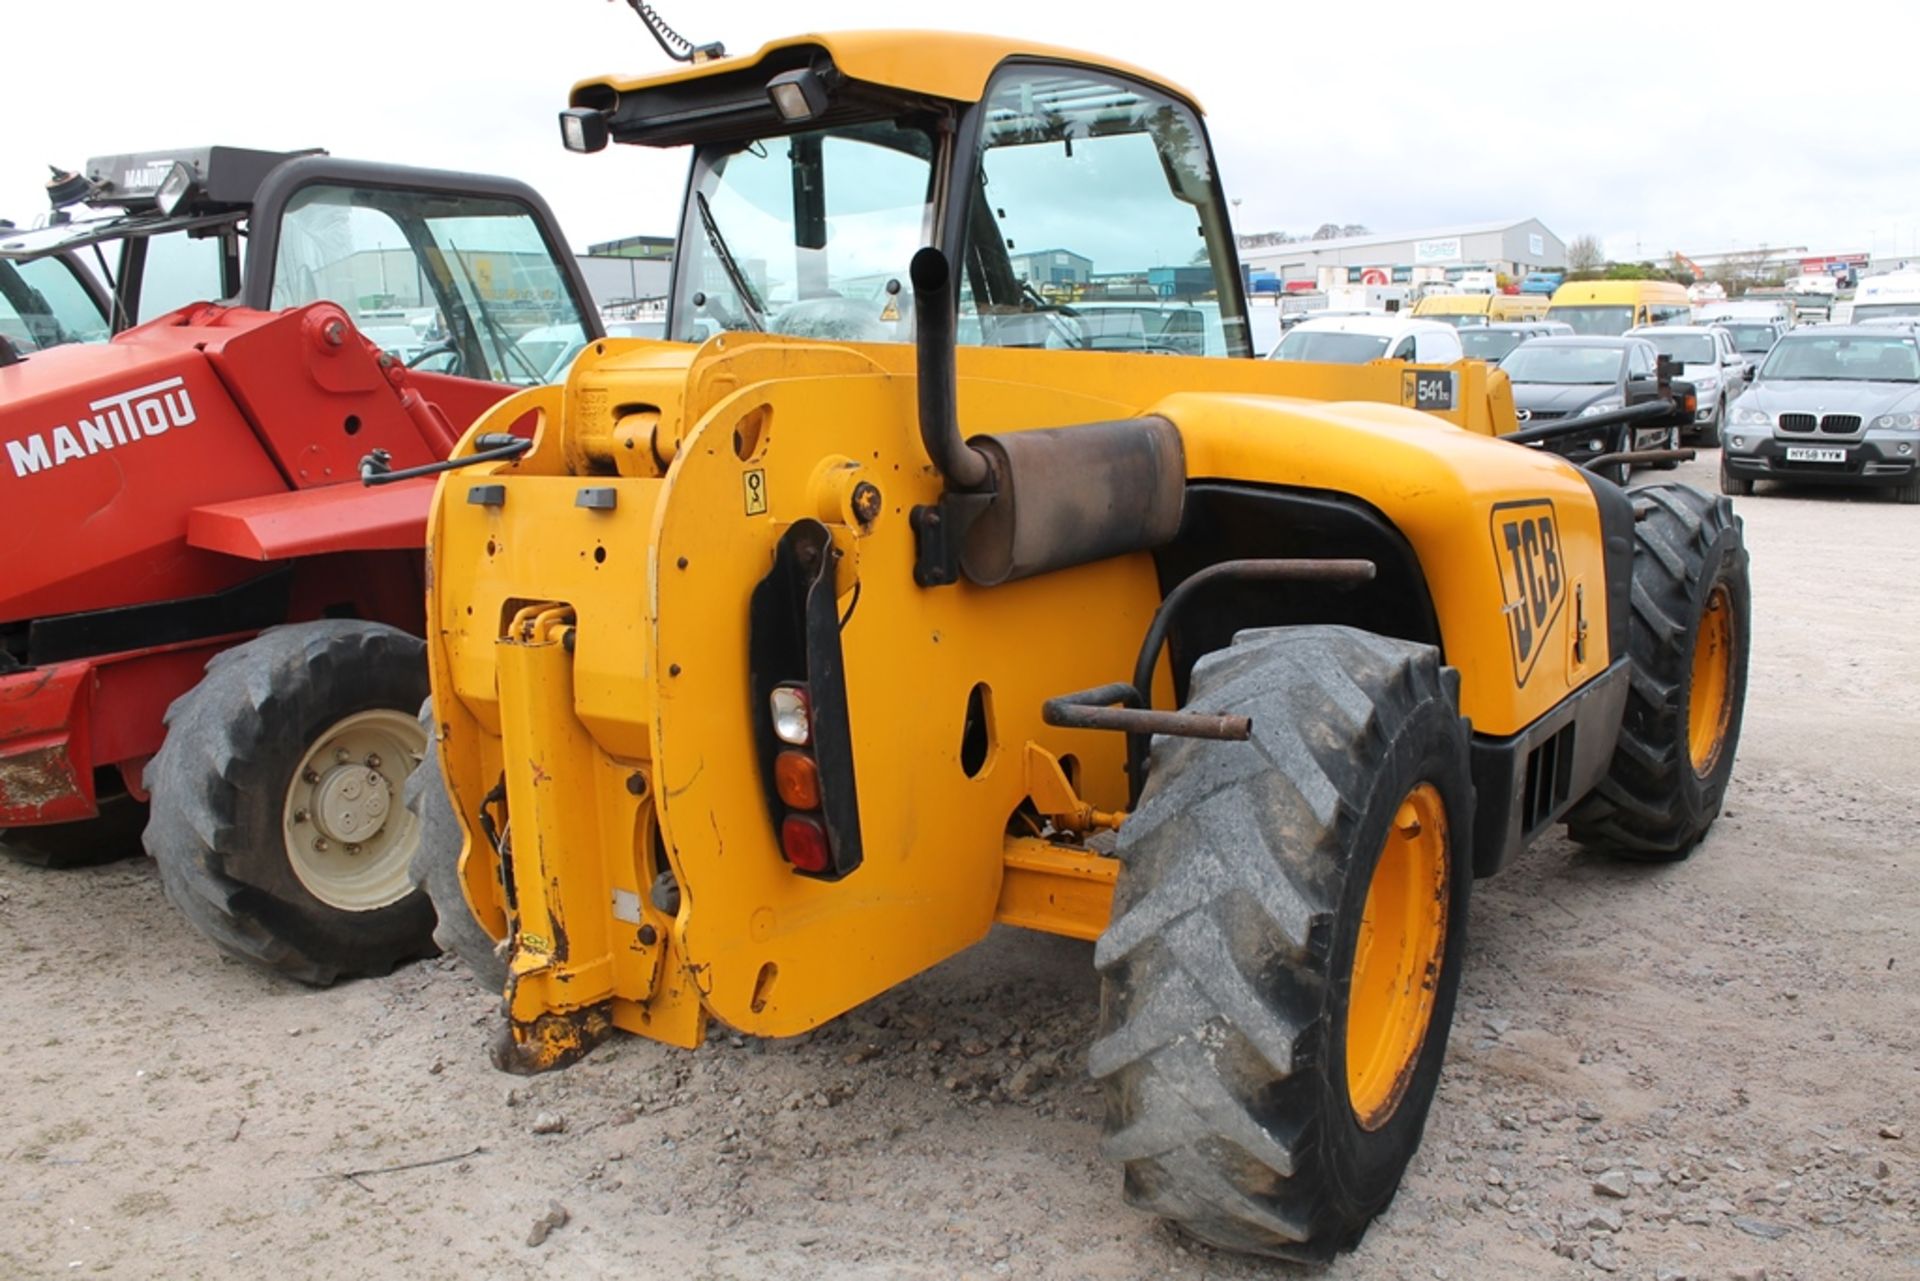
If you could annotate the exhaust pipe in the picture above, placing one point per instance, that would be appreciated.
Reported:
(964, 467)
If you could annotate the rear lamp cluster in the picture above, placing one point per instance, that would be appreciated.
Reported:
(796, 777)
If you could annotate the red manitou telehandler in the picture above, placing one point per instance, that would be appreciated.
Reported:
(209, 629)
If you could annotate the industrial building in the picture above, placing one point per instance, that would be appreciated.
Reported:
(633, 270)
(1443, 253)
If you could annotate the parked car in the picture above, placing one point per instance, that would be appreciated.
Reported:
(559, 362)
(1491, 343)
(1837, 405)
(1753, 339)
(1354, 340)
(1289, 319)
(1705, 355)
(1778, 311)
(1555, 378)
(1165, 326)
(1814, 282)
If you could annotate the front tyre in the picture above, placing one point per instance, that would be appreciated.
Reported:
(1688, 639)
(436, 869)
(1715, 427)
(1279, 974)
(276, 819)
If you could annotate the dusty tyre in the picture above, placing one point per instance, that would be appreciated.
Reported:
(1709, 435)
(1675, 439)
(1279, 973)
(108, 837)
(276, 819)
(1687, 638)
(436, 868)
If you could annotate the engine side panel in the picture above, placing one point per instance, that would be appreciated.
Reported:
(1509, 538)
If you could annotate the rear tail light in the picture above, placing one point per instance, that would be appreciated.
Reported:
(798, 779)
(792, 717)
(804, 841)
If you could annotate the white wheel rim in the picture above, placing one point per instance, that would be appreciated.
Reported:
(348, 837)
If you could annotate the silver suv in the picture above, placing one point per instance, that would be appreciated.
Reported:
(1833, 405)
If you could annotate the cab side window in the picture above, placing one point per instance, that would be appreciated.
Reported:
(179, 269)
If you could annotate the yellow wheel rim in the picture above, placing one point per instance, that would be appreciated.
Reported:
(1710, 705)
(1396, 961)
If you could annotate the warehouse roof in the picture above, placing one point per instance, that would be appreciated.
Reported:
(1364, 242)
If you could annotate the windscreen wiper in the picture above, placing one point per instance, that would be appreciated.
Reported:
(486, 318)
(750, 302)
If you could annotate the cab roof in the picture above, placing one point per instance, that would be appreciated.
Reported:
(940, 64)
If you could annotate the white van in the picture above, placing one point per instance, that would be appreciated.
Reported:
(1879, 297)
(1355, 340)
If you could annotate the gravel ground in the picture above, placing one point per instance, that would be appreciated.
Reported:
(1709, 1070)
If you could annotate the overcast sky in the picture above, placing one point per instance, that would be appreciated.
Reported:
(1652, 126)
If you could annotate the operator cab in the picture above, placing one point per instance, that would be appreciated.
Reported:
(1079, 205)
(446, 272)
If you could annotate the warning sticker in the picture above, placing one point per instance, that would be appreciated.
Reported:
(756, 483)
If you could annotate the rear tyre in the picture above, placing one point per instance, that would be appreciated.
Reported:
(108, 837)
(1279, 973)
(276, 818)
(1688, 639)
(436, 868)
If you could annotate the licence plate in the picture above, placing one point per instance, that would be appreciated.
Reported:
(1807, 454)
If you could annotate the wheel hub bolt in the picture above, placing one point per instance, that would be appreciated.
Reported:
(299, 816)
(353, 849)
(340, 755)
(319, 843)
(373, 761)
(311, 776)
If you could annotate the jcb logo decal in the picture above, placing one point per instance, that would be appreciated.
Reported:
(1533, 578)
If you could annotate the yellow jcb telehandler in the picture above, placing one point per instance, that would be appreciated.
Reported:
(888, 598)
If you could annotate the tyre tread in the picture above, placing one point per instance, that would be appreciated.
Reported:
(1229, 877)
